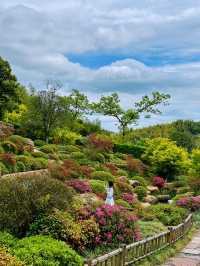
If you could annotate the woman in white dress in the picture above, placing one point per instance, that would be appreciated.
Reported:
(109, 191)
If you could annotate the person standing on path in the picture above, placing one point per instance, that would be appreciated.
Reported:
(109, 191)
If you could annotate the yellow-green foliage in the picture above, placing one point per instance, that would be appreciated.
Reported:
(195, 157)
(62, 135)
(165, 158)
(8, 260)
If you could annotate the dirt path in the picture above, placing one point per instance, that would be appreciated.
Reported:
(189, 256)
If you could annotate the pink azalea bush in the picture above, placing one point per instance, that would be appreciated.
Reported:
(116, 225)
(158, 181)
(128, 197)
(191, 203)
(81, 186)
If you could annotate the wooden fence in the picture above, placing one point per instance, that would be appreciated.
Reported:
(128, 255)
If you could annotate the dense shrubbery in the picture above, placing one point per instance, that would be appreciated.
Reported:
(168, 214)
(44, 251)
(135, 150)
(61, 225)
(21, 199)
(101, 175)
(100, 143)
(191, 203)
(81, 186)
(116, 225)
(165, 158)
(141, 192)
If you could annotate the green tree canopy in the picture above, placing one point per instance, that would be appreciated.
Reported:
(110, 106)
(11, 92)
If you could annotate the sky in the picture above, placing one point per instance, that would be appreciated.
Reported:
(132, 47)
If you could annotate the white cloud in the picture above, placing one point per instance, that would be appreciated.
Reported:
(37, 36)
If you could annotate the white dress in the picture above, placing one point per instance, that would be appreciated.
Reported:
(109, 198)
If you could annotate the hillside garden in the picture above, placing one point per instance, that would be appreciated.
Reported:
(59, 216)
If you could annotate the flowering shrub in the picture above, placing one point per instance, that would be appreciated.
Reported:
(81, 186)
(130, 198)
(158, 181)
(100, 143)
(191, 203)
(116, 224)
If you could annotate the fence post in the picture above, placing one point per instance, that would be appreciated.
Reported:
(170, 228)
(123, 257)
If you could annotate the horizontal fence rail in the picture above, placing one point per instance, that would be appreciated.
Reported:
(127, 255)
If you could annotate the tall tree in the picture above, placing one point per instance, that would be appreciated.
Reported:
(110, 106)
(45, 108)
(11, 92)
(76, 105)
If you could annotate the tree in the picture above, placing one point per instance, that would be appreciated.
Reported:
(76, 105)
(45, 108)
(110, 106)
(10, 90)
(165, 158)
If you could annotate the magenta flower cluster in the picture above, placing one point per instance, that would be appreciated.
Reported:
(191, 203)
(81, 186)
(128, 197)
(116, 225)
(158, 181)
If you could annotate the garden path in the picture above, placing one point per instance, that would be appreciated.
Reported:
(189, 256)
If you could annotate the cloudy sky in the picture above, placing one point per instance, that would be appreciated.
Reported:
(132, 47)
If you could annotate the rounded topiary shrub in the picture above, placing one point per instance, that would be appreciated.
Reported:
(39, 142)
(101, 175)
(122, 203)
(9, 146)
(39, 154)
(141, 192)
(21, 199)
(45, 251)
(49, 148)
(77, 155)
(98, 186)
(26, 160)
(39, 163)
(20, 167)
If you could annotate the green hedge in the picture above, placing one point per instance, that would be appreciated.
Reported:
(135, 150)
(45, 251)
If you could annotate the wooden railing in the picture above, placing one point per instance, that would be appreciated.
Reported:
(127, 255)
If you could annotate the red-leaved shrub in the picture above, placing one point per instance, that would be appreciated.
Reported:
(112, 168)
(135, 165)
(86, 170)
(8, 158)
(100, 143)
(158, 181)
